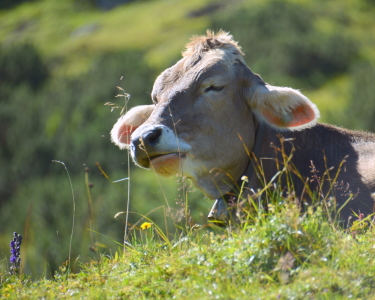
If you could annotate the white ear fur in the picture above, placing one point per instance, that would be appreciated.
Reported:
(128, 123)
(283, 107)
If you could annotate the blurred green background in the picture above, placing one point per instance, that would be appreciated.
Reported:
(60, 61)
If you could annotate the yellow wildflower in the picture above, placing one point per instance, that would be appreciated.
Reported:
(146, 225)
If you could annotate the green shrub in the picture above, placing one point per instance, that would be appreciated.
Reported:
(22, 64)
(7, 4)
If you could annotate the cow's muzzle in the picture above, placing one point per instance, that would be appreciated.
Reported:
(153, 141)
(143, 145)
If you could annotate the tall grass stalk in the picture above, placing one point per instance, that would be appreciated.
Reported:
(258, 202)
(124, 110)
(183, 186)
(90, 207)
(74, 211)
(127, 201)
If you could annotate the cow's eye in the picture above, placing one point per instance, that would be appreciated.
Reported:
(214, 88)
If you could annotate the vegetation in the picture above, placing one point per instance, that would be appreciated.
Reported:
(60, 62)
(279, 252)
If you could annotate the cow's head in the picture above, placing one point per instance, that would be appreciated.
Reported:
(205, 112)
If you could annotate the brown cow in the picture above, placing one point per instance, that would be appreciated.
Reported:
(210, 109)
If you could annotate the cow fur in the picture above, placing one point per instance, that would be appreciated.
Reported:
(207, 110)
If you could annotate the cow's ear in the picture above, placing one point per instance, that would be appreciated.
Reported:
(128, 123)
(283, 108)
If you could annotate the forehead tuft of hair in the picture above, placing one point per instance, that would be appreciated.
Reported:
(221, 39)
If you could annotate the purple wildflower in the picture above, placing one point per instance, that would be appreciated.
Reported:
(15, 247)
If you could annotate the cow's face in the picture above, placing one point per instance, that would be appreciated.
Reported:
(203, 121)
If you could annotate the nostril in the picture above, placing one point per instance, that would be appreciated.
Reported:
(134, 144)
(152, 137)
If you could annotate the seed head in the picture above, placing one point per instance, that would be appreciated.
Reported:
(245, 178)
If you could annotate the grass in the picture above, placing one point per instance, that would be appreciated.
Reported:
(280, 251)
(284, 255)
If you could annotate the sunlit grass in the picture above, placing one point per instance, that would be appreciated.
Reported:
(282, 255)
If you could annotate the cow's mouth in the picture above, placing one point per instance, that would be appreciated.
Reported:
(166, 164)
(156, 156)
(146, 160)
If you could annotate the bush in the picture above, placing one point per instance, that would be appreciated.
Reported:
(22, 64)
(6, 4)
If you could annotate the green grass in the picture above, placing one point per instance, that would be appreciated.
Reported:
(281, 255)
(279, 251)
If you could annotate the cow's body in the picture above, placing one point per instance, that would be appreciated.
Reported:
(348, 154)
(210, 110)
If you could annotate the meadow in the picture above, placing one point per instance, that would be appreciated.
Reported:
(63, 184)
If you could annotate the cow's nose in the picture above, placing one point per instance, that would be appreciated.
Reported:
(151, 141)
(151, 137)
(147, 138)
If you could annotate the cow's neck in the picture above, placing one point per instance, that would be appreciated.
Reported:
(242, 183)
(230, 199)
(255, 153)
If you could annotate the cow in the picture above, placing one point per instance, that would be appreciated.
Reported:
(212, 117)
